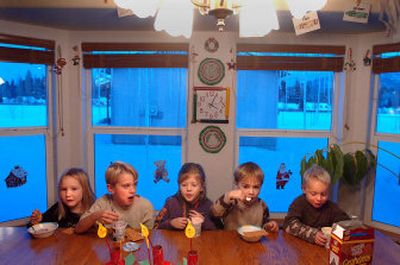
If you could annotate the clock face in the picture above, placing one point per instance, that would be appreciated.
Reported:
(211, 105)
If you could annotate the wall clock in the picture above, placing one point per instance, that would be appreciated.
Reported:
(211, 104)
(212, 139)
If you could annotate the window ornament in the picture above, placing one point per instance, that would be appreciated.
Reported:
(161, 172)
(17, 177)
(282, 176)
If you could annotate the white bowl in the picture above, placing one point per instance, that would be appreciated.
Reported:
(249, 228)
(43, 230)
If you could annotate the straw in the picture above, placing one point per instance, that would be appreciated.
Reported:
(148, 254)
(120, 251)
(108, 245)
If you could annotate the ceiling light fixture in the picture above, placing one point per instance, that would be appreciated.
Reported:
(256, 17)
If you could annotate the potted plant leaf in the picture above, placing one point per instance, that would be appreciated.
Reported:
(350, 168)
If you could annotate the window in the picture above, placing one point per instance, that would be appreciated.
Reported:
(285, 103)
(269, 153)
(386, 135)
(24, 124)
(138, 112)
(387, 184)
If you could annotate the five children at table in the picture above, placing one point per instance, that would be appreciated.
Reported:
(240, 206)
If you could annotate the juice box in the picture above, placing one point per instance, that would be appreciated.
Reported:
(351, 243)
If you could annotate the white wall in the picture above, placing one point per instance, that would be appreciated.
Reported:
(219, 167)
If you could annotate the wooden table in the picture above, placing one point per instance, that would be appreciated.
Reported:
(214, 247)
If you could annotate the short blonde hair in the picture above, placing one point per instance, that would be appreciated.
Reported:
(316, 172)
(116, 169)
(248, 169)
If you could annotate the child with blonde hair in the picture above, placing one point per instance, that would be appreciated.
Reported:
(75, 196)
(242, 206)
(312, 210)
(189, 203)
(122, 202)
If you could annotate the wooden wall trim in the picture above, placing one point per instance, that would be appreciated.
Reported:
(338, 50)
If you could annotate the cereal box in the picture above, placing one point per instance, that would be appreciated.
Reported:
(351, 244)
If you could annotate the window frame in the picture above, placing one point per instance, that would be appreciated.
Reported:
(337, 121)
(91, 130)
(374, 140)
(50, 133)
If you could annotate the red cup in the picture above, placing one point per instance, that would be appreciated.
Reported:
(192, 258)
(115, 258)
(158, 255)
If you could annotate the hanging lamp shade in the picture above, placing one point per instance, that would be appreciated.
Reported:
(141, 8)
(257, 18)
(175, 17)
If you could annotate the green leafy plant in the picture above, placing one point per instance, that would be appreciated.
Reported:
(350, 168)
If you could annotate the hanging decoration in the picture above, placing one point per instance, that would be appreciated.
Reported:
(211, 45)
(17, 177)
(357, 11)
(232, 65)
(60, 63)
(76, 59)
(367, 59)
(309, 22)
(211, 71)
(282, 176)
(212, 139)
(350, 65)
(161, 172)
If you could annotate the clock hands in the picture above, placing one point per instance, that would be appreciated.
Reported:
(211, 105)
(212, 102)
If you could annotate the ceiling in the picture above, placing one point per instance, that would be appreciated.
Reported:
(102, 15)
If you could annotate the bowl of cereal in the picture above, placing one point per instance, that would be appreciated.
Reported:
(43, 230)
(251, 233)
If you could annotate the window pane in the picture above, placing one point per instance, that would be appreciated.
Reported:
(284, 99)
(141, 151)
(387, 185)
(139, 97)
(388, 110)
(269, 153)
(23, 170)
(23, 95)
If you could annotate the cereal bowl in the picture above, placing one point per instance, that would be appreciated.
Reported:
(43, 230)
(251, 233)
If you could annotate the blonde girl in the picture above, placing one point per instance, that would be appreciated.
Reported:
(75, 196)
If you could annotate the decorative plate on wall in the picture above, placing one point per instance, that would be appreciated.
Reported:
(211, 71)
(212, 139)
(211, 45)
